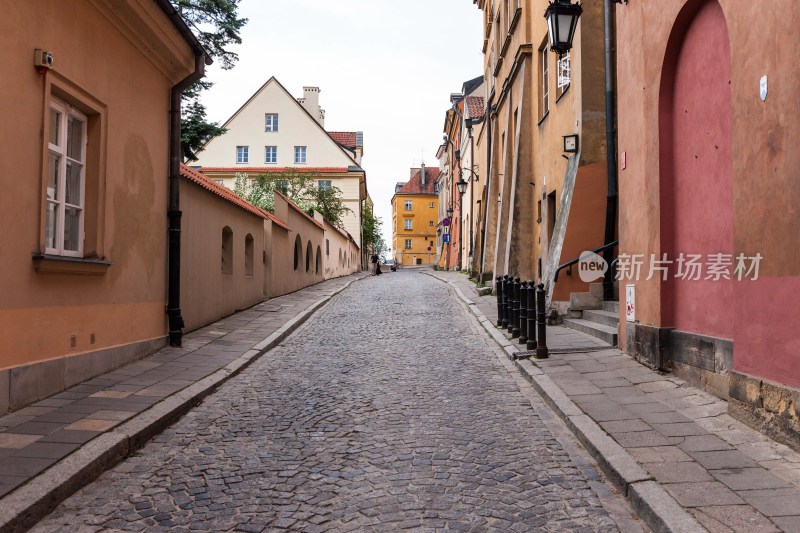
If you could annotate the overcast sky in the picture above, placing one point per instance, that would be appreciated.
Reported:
(384, 67)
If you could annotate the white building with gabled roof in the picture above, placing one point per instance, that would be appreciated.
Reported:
(273, 132)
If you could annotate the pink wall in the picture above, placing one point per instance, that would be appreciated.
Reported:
(697, 170)
(764, 197)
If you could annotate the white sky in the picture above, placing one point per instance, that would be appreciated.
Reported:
(384, 67)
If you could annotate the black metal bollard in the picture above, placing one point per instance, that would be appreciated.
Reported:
(504, 282)
(510, 325)
(541, 324)
(523, 313)
(515, 324)
(531, 315)
(509, 302)
(498, 289)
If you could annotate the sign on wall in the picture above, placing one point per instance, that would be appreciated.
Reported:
(630, 303)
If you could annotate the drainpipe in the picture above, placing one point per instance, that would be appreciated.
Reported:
(471, 122)
(489, 109)
(611, 144)
(174, 210)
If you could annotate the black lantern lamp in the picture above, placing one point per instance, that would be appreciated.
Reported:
(562, 19)
(449, 212)
(462, 185)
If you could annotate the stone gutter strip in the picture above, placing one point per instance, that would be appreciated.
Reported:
(651, 502)
(23, 507)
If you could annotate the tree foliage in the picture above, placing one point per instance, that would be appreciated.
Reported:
(371, 229)
(217, 24)
(302, 188)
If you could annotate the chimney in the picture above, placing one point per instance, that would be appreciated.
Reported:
(310, 101)
(422, 177)
(414, 170)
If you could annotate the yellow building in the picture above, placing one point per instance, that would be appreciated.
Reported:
(415, 210)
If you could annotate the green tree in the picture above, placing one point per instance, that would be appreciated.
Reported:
(302, 188)
(217, 24)
(371, 229)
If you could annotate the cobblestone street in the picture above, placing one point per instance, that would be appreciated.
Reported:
(389, 409)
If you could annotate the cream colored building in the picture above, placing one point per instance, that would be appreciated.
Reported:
(273, 132)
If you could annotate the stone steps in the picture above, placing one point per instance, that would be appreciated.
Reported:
(603, 332)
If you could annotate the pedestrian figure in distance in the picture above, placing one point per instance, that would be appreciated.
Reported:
(378, 268)
(374, 261)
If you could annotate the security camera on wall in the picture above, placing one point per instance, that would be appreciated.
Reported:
(42, 60)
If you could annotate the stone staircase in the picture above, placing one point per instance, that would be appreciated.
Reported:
(601, 323)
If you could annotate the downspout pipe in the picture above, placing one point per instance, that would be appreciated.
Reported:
(485, 206)
(611, 142)
(174, 210)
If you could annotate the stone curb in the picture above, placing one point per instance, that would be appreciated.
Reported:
(649, 499)
(34, 500)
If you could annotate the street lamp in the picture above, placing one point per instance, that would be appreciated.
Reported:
(449, 212)
(562, 19)
(462, 186)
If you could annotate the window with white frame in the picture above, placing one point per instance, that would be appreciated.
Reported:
(299, 155)
(408, 244)
(564, 75)
(66, 180)
(271, 122)
(431, 223)
(430, 205)
(408, 205)
(242, 154)
(407, 224)
(270, 154)
(544, 75)
(324, 184)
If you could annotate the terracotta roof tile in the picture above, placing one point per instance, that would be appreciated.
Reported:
(274, 170)
(345, 138)
(415, 186)
(475, 106)
(222, 191)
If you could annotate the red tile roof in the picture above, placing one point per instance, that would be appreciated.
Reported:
(475, 106)
(415, 186)
(274, 170)
(297, 208)
(345, 138)
(221, 191)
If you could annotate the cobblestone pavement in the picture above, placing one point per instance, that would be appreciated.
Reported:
(388, 410)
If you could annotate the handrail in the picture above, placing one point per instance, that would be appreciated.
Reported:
(577, 260)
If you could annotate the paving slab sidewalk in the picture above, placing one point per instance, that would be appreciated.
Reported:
(53, 447)
(672, 449)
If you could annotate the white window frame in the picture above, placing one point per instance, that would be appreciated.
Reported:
(325, 184)
(408, 244)
(430, 205)
(545, 59)
(408, 224)
(274, 154)
(242, 155)
(408, 205)
(300, 155)
(563, 66)
(58, 198)
(270, 122)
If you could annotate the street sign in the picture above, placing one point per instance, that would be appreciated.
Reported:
(446, 222)
(429, 248)
(446, 238)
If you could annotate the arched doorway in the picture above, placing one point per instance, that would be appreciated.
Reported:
(696, 170)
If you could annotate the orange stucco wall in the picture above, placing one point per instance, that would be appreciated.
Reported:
(764, 166)
(206, 293)
(100, 71)
(285, 278)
